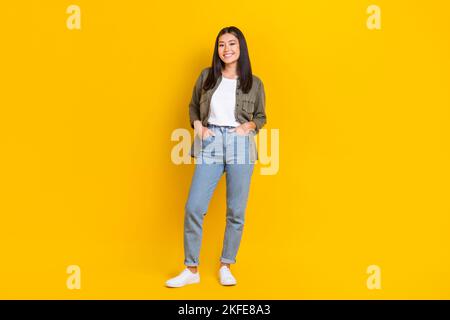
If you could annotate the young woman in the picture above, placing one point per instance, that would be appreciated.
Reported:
(226, 111)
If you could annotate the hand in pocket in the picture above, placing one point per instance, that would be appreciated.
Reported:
(206, 132)
(241, 130)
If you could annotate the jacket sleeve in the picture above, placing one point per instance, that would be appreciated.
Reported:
(259, 115)
(194, 104)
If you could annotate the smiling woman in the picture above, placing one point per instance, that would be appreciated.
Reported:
(229, 52)
(226, 111)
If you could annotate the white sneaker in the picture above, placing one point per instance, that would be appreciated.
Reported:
(184, 278)
(226, 278)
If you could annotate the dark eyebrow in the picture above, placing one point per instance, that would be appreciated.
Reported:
(228, 40)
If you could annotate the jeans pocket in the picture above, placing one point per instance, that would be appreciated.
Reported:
(207, 141)
(245, 135)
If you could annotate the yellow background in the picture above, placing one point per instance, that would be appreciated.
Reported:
(86, 175)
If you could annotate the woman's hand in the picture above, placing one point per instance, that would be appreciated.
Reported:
(201, 131)
(244, 128)
(206, 132)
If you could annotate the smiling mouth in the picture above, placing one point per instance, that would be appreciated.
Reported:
(228, 55)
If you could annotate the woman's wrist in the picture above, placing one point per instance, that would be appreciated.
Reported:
(198, 127)
(250, 125)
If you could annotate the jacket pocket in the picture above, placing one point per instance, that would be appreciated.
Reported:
(248, 105)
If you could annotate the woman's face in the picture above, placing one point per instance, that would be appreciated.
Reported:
(228, 48)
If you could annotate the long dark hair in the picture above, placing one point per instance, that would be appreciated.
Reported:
(244, 68)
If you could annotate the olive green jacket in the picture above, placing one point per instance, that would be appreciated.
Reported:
(249, 106)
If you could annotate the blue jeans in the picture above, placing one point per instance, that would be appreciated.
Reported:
(225, 152)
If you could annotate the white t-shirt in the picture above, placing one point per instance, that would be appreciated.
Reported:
(223, 104)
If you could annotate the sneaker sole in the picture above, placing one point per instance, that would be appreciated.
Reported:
(182, 285)
(228, 284)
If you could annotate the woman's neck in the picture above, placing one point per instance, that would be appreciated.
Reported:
(230, 71)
